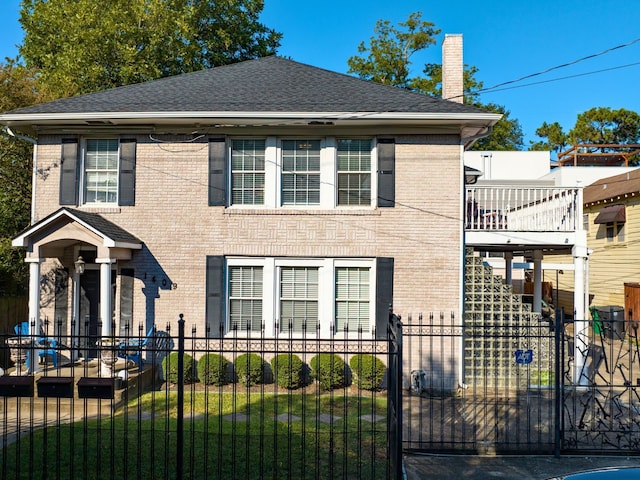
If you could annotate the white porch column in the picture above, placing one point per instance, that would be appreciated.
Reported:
(537, 281)
(105, 295)
(580, 323)
(508, 268)
(34, 307)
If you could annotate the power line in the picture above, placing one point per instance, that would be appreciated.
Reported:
(542, 72)
(558, 79)
(564, 65)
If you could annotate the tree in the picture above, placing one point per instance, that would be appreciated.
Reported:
(603, 125)
(390, 51)
(18, 88)
(387, 60)
(556, 138)
(599, 125)
(81, 46)
(506, 134)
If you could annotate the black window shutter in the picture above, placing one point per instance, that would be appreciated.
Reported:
(217, 172)
(384, 294)
(215, 294)
(127, 181)
(386, 172)
(126, 303)
(69, 172)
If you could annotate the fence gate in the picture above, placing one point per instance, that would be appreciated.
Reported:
(517, 389)
(480, 388)
(600, 401)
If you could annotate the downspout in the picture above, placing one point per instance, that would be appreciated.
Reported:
(30, 140)
(464, 142)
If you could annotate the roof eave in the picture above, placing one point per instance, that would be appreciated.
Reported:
(243, 116)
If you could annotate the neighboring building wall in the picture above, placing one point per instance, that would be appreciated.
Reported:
(611, 263)
(582, 176)
(179, 230)
(508, 166)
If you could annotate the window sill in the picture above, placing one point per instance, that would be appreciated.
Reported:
(291, 211)
(97, 208)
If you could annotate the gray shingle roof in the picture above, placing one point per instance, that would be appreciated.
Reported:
(98, 223)
(269, 84)
(104, 226)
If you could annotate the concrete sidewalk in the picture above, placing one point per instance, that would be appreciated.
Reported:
(458, 467)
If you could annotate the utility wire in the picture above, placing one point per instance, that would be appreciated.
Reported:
(564, 65)
(557, 79)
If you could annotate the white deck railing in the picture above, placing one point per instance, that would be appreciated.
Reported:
(523, 209)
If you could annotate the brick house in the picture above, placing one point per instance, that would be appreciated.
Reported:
(264, 194)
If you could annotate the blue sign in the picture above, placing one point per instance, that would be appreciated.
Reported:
(524, 357)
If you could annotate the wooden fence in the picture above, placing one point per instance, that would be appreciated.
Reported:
(13, 310)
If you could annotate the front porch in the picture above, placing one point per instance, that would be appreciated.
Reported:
(73, 275)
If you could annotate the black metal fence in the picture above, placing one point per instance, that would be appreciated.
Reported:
(165, 404)
(546, 386)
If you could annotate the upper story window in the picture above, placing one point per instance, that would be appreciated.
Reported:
(101, 171)
(354, 172)
(247, 172)
(301, 172)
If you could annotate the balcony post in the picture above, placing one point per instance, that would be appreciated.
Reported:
(580, 323)
(537, 281)
(508, 268)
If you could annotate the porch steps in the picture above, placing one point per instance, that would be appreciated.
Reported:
(497, 324)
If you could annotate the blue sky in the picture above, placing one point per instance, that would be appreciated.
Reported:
(505, 39)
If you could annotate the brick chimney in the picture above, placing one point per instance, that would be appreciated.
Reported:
(452, 68)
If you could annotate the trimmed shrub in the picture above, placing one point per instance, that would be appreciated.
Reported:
(368, 371)
(170, 368)
(212, 369)
(287, 370)
(249, 368)
(329, 370)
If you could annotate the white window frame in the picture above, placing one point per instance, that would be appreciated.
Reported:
(372, 170)
(231, 171)
(82, 184)
(328, 174)
(326, 293)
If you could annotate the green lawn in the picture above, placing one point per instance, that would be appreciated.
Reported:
(139, 441)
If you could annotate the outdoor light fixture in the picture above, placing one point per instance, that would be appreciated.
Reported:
(79, 264)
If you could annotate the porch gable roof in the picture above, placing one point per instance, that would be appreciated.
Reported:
(112, 235)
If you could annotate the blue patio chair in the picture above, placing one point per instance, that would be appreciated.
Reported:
(131, 348)
(45, 345)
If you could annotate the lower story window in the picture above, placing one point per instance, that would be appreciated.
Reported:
(245, 298)
(352, 299)
(301, 297)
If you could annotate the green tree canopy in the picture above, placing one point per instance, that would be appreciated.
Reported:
(81, 46)
(387, 59)
(599, 125)
(18, 88)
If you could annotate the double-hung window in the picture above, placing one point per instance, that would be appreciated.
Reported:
(98, 171)
(354, 172)
(314, 173)
(300, 172)
(247, 172)
(353, 299)
(245, 298)
(101, 171)
(299, 299)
